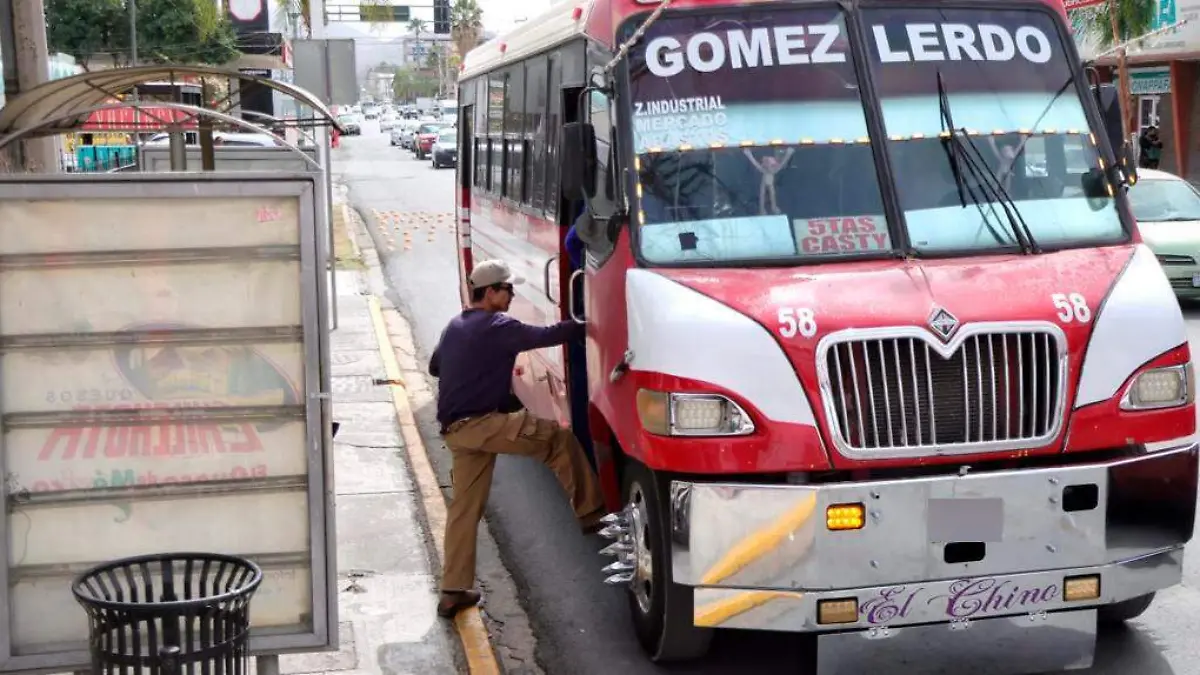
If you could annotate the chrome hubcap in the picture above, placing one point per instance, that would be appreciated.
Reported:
(643, 571)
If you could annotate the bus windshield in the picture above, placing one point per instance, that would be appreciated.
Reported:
(752, 143)
(751, 140)
(1008, 83)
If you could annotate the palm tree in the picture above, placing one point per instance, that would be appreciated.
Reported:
(1115, 23)
(466, 23)
(416, 27)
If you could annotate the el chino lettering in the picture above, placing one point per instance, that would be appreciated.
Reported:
(964, 599)
(707, 52)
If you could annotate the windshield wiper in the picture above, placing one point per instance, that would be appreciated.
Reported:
(959, 149)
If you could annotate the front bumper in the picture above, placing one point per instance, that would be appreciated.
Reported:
(1183, 281)
(445, 157)
(761, 556)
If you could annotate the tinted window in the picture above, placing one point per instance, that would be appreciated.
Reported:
(554, 122)
(495, 103)
(535, 91)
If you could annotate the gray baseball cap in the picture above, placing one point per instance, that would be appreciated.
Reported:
(490, 272)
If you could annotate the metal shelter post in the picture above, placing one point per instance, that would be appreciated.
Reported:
(267, 664)
(178, 145)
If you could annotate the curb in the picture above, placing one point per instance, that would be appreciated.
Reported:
(477, 647)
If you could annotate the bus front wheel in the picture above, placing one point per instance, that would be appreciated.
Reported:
(662, 610)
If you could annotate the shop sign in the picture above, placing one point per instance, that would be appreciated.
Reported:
(1165, 16)
(1149, 81)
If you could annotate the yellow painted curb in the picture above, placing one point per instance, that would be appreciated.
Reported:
(481, 660)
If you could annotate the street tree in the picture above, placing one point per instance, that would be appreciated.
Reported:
(1114, 23)
(418, 28)
(169, 31)
(410, 84)
(184, 31)
(86, 29)
(466, 25)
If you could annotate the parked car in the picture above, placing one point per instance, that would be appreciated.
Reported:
(444, 150)
(396, 136)
(350, 124)
(1167, 209)
(221, 138)
(408, 130)
(388, 121)
(423, 142)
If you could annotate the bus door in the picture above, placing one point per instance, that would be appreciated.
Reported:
(466, 175)
(574, 279)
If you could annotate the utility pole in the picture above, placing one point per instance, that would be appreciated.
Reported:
(133, 61)
(33, 68)
(133, 38)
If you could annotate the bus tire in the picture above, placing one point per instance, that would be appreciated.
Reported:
(1121, 612)
(661, 610)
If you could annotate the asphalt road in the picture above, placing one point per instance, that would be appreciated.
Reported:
(581, 625)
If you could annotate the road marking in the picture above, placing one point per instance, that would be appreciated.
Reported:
(481, 660)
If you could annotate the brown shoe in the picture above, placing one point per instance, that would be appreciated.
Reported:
(454, 601)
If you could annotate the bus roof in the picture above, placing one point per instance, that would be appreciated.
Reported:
(597, 19)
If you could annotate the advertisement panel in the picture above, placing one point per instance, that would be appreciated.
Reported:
(162, 363)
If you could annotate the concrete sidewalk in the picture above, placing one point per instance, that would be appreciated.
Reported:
(387, 586)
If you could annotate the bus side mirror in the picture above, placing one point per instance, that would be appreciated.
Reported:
(1095, 188)
(577, 150)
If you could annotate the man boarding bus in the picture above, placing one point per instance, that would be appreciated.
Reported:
(866, 357)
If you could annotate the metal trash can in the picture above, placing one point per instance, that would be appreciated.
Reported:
(169, 613)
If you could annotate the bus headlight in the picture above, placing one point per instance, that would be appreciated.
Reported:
(1168, 387)
(668, 414)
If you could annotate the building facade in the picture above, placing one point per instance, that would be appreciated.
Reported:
(1163, 83)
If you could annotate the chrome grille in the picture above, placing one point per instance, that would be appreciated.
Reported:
(1172, 259)
(904, 395)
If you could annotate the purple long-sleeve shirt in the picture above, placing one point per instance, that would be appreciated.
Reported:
(475, 356)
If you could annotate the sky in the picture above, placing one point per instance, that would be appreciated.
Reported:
(501, 15)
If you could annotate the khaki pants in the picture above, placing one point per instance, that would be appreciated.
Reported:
(474, 444)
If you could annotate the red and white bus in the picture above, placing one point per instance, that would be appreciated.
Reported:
(874, 352)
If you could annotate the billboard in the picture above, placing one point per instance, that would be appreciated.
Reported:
(161, 390)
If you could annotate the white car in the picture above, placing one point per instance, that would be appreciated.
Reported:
(396, 136)
(225, 139)
(388, 122)
(407, 133)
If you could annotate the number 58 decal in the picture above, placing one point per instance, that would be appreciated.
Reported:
(1071, 307)
(800, 321)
